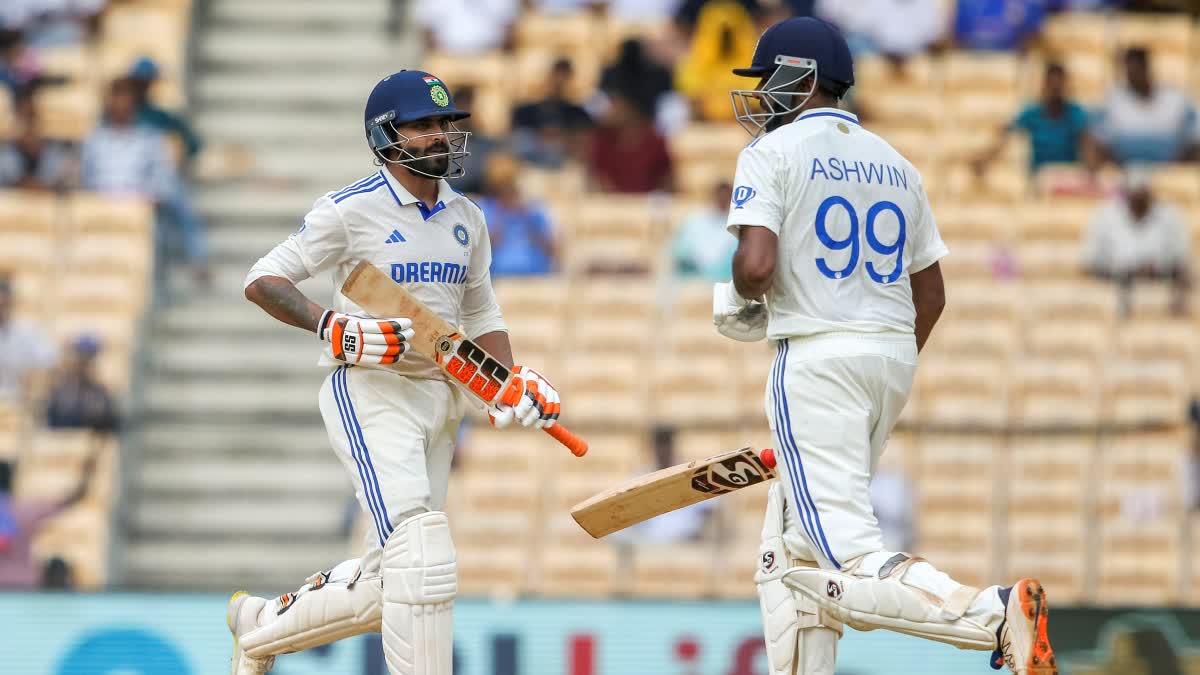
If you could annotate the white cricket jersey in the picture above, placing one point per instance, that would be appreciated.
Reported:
(853, 222)
(440, 253)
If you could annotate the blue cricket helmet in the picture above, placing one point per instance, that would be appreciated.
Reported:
(786, 54)
(408, 96)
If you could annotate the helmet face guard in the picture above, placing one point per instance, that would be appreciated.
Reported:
(759, 111)
(383, 137)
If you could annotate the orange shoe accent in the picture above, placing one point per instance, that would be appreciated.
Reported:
(1033, 603)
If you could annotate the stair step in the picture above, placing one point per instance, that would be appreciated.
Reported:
(265, 442)
(299, 515)
(279, 91)
(261, 49)
(272, 566)
(361, 14)
(320, 130)
(315, 476)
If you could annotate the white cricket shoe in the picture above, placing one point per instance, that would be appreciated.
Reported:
(1024, 643)
(243, 610)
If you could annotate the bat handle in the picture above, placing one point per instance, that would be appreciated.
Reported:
(575, 444)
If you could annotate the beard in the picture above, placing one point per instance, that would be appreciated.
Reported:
(424, 165)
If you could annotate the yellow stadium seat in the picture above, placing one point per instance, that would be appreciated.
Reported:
(606, 313)
(8, 122)
(1052, 392)
(954, 505)
(686, 389)
(982, 112)
(1069, 32)
(1052, 221)
(1050, 260)
(116, 330)
(982, 299)
(511, 492)
(128, 254)
(568, 32)
(1163, 33)
(1151, 301)
(575, 570)
(493, 451)
(1139, 562)
(673, 570)
(736, 564)
(67, 112)
(1178, 183)
(605, 389)
(973, 260)
(27, 211)
(27, 252)
(618, 30)
(988, 221)
(1092, 300)
(491, 571)
(1003, 184)
(963, 391)
(902, 107)
(528, 296)
(91, 212)
(876, 73)
(1156, 338)
(72, 62)
(988, 72)
(1146, 392)
(706, 141)
(1081, 338)
(695, 179)
(996, 338)
(623, 452)
(119, 292)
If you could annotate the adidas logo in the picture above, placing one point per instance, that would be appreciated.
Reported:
(396, 238)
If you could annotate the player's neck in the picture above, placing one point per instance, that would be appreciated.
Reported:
(421, 187)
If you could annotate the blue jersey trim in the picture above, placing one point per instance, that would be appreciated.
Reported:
(353, 186)
(369, 187)
(831, 114)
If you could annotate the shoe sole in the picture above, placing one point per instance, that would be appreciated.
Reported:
(229, 614)
(1035, 608)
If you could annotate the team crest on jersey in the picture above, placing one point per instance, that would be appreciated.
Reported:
(742, 194)
(438, 93)
(460, 234)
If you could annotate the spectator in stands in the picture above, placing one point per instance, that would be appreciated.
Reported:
(480, 144)
(627, 153)
(143, 74)
(1137, 236)
(636, 77)
(466, 26)
(29, 161)
(124, 157)
(17, 67)
(62, 22)
(19, 523)
(1144, 121)
(687, 17)
(724, 39)
(703, 248)
(521, 234)
(898, 29)
(26, 354)
(1001, 25)
(550, 131)
(77, 399)
(1056, 125)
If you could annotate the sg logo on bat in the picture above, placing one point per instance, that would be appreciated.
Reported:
(732, 474)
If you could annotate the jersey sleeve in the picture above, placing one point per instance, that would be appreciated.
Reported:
(320, 243)
(480, 311)
(757, 197)
(928, 246)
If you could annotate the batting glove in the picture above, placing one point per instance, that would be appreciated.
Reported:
(538, 406)
(736, 317)
(365, 341)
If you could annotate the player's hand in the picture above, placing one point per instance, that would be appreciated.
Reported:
(538, 405)
(736, 317)
(365, 341)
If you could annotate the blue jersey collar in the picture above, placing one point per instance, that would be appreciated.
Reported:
(829, 112)
(446, 194)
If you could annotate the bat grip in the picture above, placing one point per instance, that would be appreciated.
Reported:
(575, 444)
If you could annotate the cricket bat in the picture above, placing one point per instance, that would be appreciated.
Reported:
(673, 488)
(453, 352)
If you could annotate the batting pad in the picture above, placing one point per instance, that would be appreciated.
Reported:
(420, 580)
(332, 606)
(890, 599)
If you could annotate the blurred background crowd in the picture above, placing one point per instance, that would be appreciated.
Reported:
(150, 150)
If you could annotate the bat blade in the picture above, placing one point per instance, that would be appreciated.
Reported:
(670, 489)
(461, 358)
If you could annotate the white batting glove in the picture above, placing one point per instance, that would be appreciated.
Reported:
(365, 341)
(736, 317)
(539, 404)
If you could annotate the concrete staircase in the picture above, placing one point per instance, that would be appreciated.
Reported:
(234, 484)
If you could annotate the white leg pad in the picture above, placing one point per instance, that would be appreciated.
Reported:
(886, 599)
(420, 580)
(801, 637)
(332, 606)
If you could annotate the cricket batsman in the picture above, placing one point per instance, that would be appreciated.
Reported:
(392, 418)
(837, 239)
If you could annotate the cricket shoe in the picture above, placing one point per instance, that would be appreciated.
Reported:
(1024, 643)
(242, 617)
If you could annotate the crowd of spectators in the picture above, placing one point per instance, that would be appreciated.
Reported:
(138, 148)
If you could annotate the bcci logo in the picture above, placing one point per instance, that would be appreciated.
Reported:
(438, 93)
(741, 195)
(460, 234)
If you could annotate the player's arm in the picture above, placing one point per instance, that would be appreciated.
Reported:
(929, 299)
(497, 344)
(321, 243)
(754, 261)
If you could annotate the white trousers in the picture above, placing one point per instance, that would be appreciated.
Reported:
(395, 436)
(832, 400)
